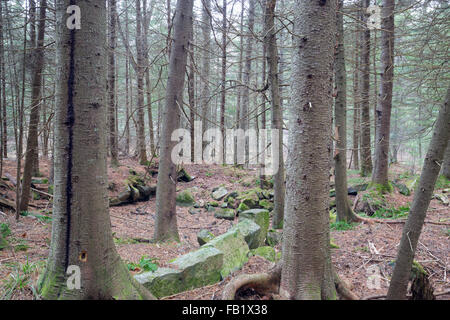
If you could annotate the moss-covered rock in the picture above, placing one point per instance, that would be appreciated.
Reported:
(234, 248)
(227, 214)
(201, 267)
(204, 236)
(219, 193)
(261, 218)
(185, 199)
(162, 282)
(251, 232)
(266, 252)
(242, 207)
(273, 238)
(266, 204)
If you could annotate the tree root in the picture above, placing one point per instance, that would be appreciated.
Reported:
(269, 284)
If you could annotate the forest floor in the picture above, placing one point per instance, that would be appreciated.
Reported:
(355, 257)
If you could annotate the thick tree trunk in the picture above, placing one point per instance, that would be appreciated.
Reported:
(343, 208)
(307, 271)
(366, 151)
(112, 82)
(422, 198)
(270, 42)
(384, 106)
(166, 213)
(140, 86)
(32, 141)
(81, 232)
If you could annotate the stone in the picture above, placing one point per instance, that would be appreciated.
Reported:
(162, 282)
(442, 198)
(251, 232)
(261, 218)
(204, 236)
(227, 214)
(403, 189)
(234, 248)
(219, 193)
(266, 204)
(273, 238)
(185, 199)
(411, 183)
(266, 252)
(194, 211)
(242, 207)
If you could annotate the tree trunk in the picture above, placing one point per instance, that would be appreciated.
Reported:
(112, 82)
(366, 153)
(422, 198)
(3, 89)
(446, 165)
(356, 101)
(32, 141)
(270, 42)
(381, 165)
(81, 233)
(206, 66)
(244, 113)
(307, 270)
(140, 86)
(146, 18)
(343, 208)
(166, 219)
(224, 76)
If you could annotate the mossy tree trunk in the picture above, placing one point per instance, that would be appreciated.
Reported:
(422, 198)
(81, 230)
(446, 165)
(166, 219)
(307, 270)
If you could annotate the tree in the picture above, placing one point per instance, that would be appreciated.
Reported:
(446, 165)
(206, 66)
(384, 106)
(366, 153)
(166, 213)
(140, 71)
(422, 198)
(81, 231)
(244, 112)
(277, 115)
(343, 209)
(32, 141)
(224, 75)
(3, 89)
(112, 82)
(307, 270)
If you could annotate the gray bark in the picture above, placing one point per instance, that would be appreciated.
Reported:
(422, 198)
(307, 271)
(166, 213)
(384, 107)
(81, 230)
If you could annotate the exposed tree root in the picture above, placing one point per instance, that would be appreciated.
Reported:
(269, 284)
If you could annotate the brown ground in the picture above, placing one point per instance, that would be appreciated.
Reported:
(352, 259)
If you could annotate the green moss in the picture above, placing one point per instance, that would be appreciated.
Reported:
(185, 199)
(442, 182)
(266, 204)
(333, 245)
(242, 207)
(266, 252)
(381, 188)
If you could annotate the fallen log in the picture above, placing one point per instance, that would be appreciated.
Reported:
(133, 194)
